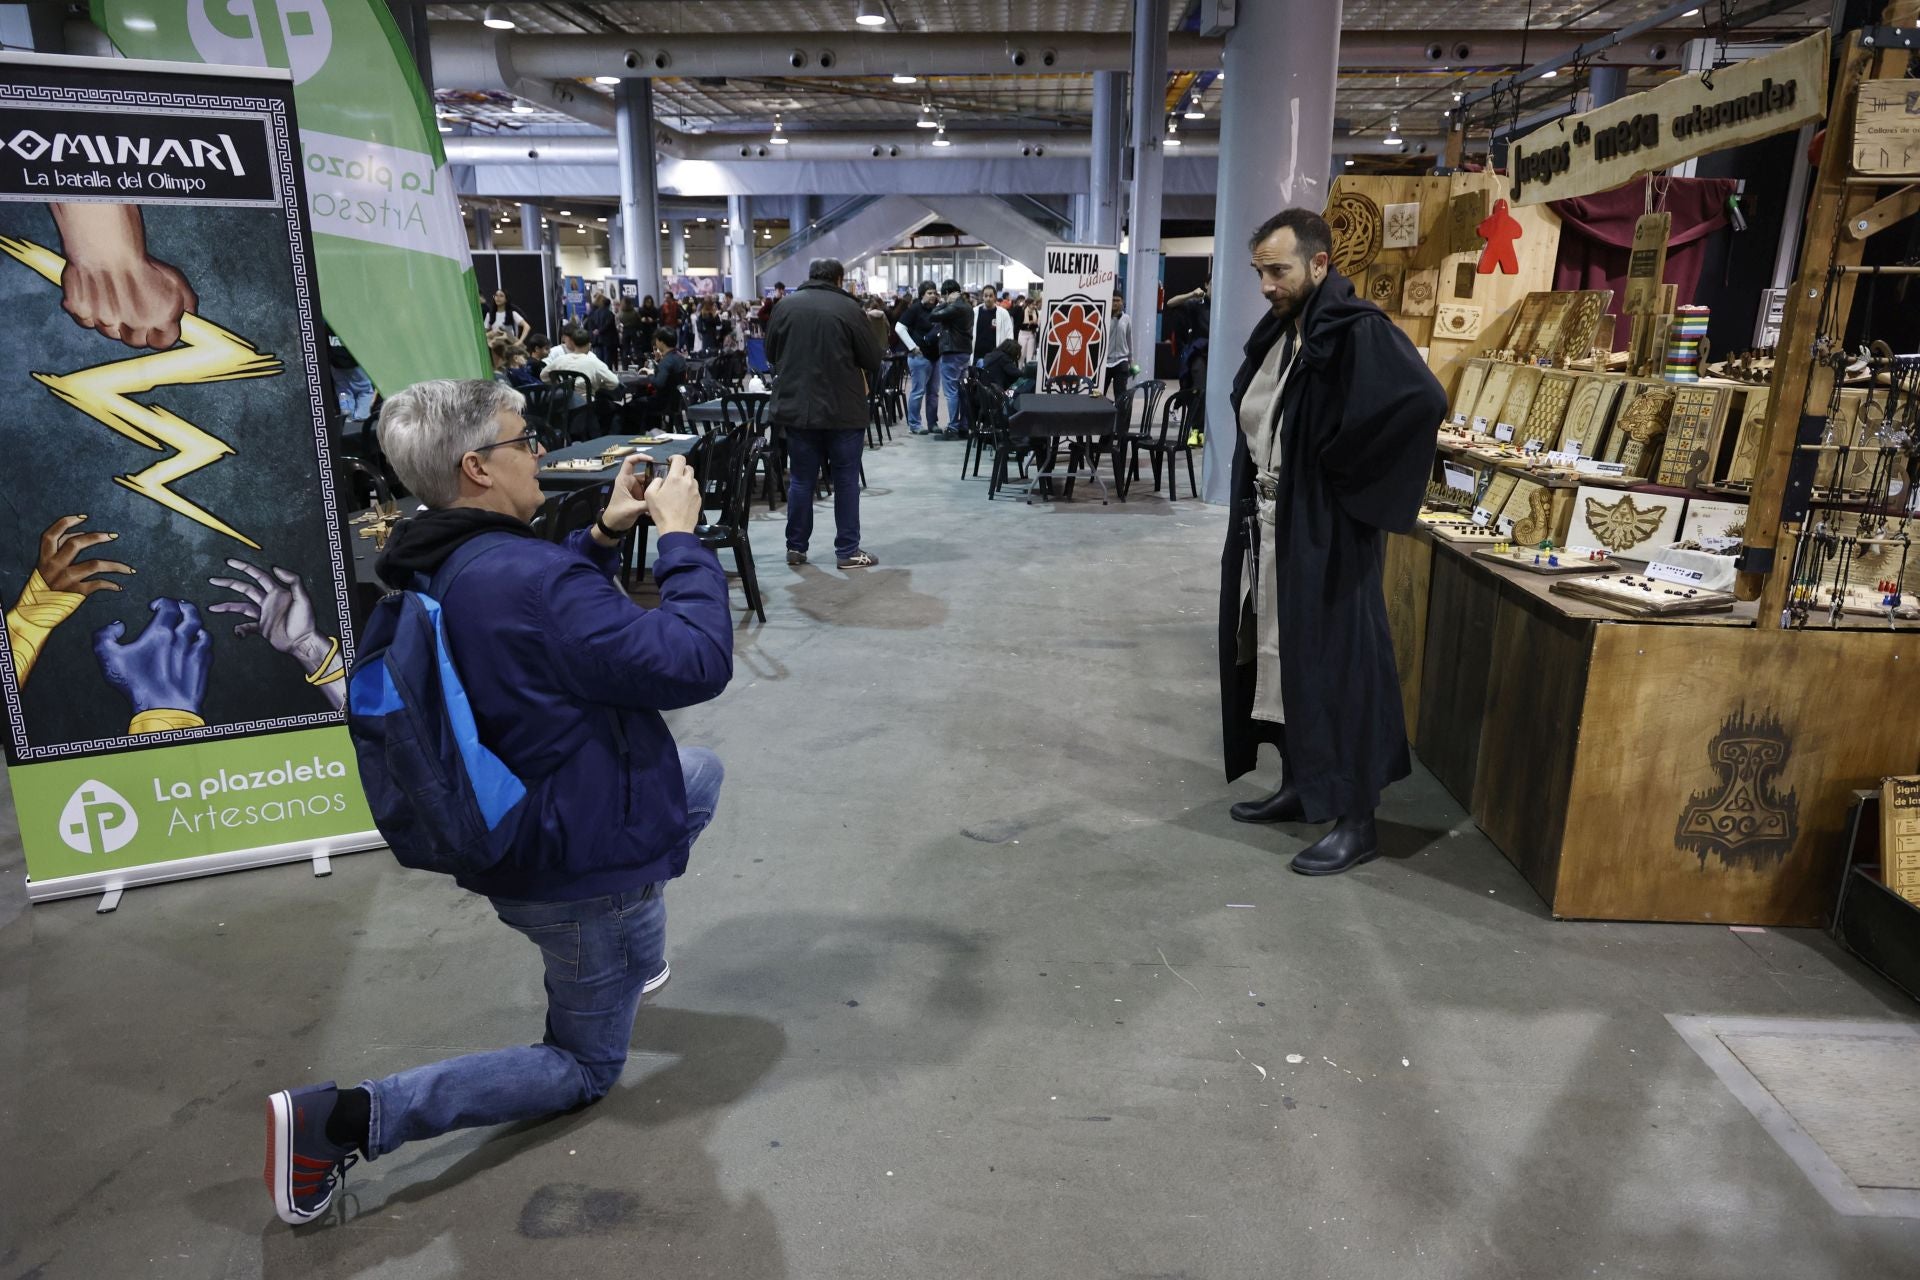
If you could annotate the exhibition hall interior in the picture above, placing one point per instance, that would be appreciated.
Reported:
(743, 639)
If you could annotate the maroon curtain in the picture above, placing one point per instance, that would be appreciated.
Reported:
(1596, 236)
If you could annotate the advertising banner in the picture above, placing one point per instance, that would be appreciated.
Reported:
(1687, 116)
(1076, 303)
(177, 635)
(392, 250)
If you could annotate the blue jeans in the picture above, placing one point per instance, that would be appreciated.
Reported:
(356, 393)
(952, 365)
(919, 375)
(598, 952)
(806, 450)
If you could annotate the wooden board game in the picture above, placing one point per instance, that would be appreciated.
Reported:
(1642, 597)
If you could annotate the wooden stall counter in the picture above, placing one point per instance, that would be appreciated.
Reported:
(1683, 769)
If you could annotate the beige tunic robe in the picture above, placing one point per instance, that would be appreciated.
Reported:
(1260, 424)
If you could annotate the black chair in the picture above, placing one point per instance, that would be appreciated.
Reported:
(749, 409)
(893, 390)
(1008, 448)
(546, 414)
(981, 424)
(577, 510)
(741, 450)
(579, 414)
(369, 486)
(1182, 412)
(1133, 429)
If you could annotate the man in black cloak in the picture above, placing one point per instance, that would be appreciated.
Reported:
(1336, 419)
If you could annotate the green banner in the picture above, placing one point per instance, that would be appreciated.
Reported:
(137, 808)
(396, 281)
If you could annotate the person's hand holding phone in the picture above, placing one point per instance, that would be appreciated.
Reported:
(673, 500)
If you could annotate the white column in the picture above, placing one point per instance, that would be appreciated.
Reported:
(677, 244)
(740, 224)
(1276, 152)
(529, 226)
(1143, 212)
(1109, 107)
(639, 191)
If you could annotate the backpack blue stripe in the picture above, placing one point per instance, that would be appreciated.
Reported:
(495, 787)
(370, 692)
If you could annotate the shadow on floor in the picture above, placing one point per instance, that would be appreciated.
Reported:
(879, 598)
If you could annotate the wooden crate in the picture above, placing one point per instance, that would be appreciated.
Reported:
(1407, 581)
(1715, 764)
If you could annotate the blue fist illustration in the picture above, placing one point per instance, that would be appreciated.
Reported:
(166, 665)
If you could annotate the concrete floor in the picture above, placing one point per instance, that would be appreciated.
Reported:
(973, 977)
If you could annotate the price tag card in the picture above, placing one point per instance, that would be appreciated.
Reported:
(1459, 478)
(1573, 447)
(1674, 573)
(1719, 543)
(1591, 467)
(1503, 432)
(1504, 527)
(1482, 517)
(1459, 419)
(1555, 458)
(1534, 448)
(1479, 426)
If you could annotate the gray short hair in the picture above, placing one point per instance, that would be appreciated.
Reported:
(426, 430)
(828, 270)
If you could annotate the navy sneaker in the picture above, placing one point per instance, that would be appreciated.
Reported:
(303, 1167)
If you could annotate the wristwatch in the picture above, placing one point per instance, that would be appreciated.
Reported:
(600, 523)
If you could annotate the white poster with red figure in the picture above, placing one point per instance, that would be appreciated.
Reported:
(1076, 305)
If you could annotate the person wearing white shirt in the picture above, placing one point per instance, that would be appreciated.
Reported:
(1119, 349)
(992, 325)
(578, 358)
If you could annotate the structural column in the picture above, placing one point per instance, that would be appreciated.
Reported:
(740, 224)
(677, 244)
(529, 226)
(797, 215)
(482, 227)
(1103, 194)
(639, 191)
(1143, 211)
(1606, 84)
(1276, 152)
(617, 251)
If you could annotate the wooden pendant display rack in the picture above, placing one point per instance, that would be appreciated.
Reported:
(1688, 768)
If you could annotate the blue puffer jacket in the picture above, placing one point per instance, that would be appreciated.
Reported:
(568, 678)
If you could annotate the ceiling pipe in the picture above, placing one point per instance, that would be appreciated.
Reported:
(583, 149)
(467, 55)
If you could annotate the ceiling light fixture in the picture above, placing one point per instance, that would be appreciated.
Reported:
(521, 109)
(926, 120)
(702, 219)
(1549, 75)
(498, 18)
(606, 79)
(566, 213)
(1173, 134)
(901, 77)
(870, 14)
(779, 138)
(599, 219)
(1193, 107)
(940, 138)
(1393, 131)
(1349, 162)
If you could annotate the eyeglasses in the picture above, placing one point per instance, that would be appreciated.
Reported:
(530, 439)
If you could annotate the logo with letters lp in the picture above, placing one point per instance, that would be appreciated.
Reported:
(98, 819)
(294, 34)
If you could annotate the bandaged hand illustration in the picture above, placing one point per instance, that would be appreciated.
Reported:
(277, 608)
(163, 670)
(59, 585)
(110, 284)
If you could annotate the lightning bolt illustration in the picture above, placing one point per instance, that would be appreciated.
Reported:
(207, 353)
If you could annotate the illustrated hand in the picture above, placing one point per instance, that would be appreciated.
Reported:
(59, 568)
(111, 284)
(166, 665)
(276, 607)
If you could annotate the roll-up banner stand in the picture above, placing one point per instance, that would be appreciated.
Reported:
(1076, 302)
(177, 631)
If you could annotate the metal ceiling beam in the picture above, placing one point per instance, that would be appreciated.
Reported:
(464, 52)
(908, 145)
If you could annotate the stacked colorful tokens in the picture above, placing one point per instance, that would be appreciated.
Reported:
(1684, 336)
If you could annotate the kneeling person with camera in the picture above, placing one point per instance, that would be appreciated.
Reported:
(565, 678)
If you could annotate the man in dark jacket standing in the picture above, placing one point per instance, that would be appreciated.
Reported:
(827, 356)
(566, 678)
(921, 337)
(1335, 422)
(954, 317)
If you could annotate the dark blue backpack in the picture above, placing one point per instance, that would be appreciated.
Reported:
(442, 800)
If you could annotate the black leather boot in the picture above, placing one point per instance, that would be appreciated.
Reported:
(1351, 842)
(1282, 806)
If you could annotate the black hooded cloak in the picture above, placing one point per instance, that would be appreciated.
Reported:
(1362, 417)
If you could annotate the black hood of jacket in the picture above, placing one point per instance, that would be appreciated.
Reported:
(1333, 309)
(421, 543)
